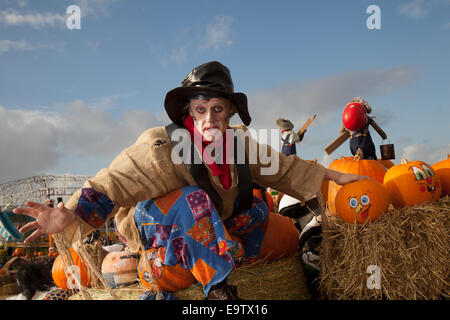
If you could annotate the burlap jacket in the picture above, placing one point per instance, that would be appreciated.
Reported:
(145, 171)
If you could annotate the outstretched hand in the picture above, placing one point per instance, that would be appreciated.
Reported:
(342, 178)
(48, 220)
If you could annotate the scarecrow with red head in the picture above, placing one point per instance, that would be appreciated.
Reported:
(355, 125)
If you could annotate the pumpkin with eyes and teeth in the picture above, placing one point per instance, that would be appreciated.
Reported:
(361, 200)
(412, 183)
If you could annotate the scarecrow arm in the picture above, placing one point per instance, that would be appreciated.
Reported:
(337, 142)
(377, 128)
(302, 131)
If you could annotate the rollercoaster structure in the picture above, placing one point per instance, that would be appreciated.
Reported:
(41, 189)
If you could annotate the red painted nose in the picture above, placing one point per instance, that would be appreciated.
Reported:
(429, 180)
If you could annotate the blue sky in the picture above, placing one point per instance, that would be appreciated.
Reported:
(71, 100)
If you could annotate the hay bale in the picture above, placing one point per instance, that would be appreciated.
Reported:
(131, 292)
(280, 280)
(410, 246)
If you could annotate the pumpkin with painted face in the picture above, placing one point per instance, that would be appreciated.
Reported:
(412, 183)
(362, 200)
(353, 165)
(442, 169)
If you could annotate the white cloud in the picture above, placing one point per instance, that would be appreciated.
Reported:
(37, 141)
(36, 20)
(327, 96)
(417, 9)
(97, 8)
(218, 33)
(7, 45)
(26, 144)
(22, 3)
(425, 152)
(177, 56)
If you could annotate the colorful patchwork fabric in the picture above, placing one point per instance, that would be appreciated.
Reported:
(188, 226)
(94, 207)
(57, 294)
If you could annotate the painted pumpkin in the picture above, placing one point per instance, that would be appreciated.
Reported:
(74, 275)
(412, 183)
(120, 268)
(362, 200)
(269, 199)
(168, 278)
(353, 165)
(442, 169)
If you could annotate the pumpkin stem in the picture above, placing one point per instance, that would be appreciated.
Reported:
(357, 157)
(404, 161)
(448, 156)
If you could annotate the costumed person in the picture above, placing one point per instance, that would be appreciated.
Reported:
(35, 283)
(356, 121)
(191, 215)
(288, 136)
(308, 220)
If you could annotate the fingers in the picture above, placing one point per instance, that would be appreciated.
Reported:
(29, 226)
(32, 237)
(35, 205)
(26, 211)
(33, 209)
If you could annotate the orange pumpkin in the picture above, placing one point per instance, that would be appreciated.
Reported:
(386, 163)
(280, 238)
(362, 200)
(19, 252)
(412, 183)
(168, 278)
(74, 275)
(353, 165)
(269, 199)
(442, 169)
(120, 268)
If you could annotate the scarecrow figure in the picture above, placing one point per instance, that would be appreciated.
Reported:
(289, 137)
(355, 125)
(192, 213)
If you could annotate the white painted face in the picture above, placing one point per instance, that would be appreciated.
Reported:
(211, 117)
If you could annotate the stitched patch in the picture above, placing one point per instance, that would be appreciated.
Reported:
(203, 232)
(93, 207)
(200, 204)
(166, 202)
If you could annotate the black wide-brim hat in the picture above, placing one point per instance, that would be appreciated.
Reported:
(211, 79)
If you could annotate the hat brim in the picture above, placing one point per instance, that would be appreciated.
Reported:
(177, 98)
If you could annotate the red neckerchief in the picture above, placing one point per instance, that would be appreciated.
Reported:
(221, 170)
